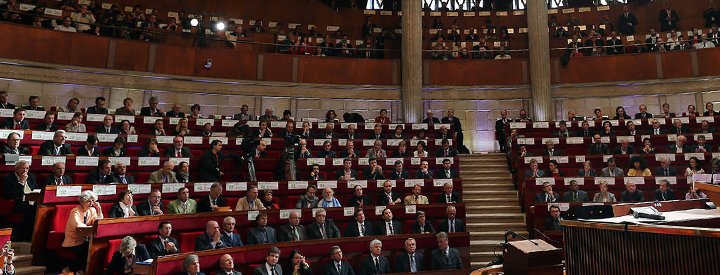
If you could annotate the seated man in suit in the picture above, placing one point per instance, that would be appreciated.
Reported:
(213, 201)
(451, 224)
(375, 263)
(585, 130)
(18, 121)
(228, 235)
(350, 151)
(326, 151)
(58, 177)
(153, 205)
(293, 230)
(625, 148)
(309, 199)
(387, 226)
(424, 171)
(612, 170)
(547, 195)
(175, 111)
(411, 260)
(598, 148)
(446, 172)
(130, 251)
(164, 244)
(664, 193)
(678, 128)
(103, 174)
(13, 145)
(680, 146)
(164, 175)
(322, 228)
(643, 114)
(445, 257)
(361, 227)
(534, 171)
(182, 172)
(99, 107)
(211, 239)
(448, 196)
(377, 151)
(337, 266)
(227, 266)
(377, 133)
(90, 148)
(701, 146)
(56, 146)
(261, 233)
(445, 150)
(665, 170)
(575, 194)
(106, 127)
(563, 130)
(399, 172)
(630, 128)
(631, 194)
(271, 266)
(388, 197)
(655, 128)
(47, 123)
(183, 204)
(178, 150)
(550, 149)
(373, 171)
(552, 223)
(421, 225)
(347, 173)
(587, 170)
(416, 197)
(328, 132)
(152, 109)
(121, 175)
(705, 128)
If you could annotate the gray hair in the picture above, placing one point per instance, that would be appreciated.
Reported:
(86, 196)
(228, 218)
(442, 235)
(59, 132)
(374, 242)
(127, 244)
(21, 162)
(321, 210)
(190, 259)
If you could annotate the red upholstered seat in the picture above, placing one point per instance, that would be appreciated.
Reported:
(289, 202)
(187, 240)
(231, 202)
(113, 245)
(79, 178)
(57, 226)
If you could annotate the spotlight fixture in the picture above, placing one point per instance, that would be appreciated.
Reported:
(220, 26)
(194, 22)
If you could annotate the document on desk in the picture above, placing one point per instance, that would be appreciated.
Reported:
(673, 216)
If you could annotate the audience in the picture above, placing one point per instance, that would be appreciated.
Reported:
(322, 228)
(664, 193)
(338, 265)
(250, 201)
(227, 266)
(631, 194)
(271, 265)
(604, 195)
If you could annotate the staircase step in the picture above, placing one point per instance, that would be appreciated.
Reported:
(495, 226)
(488, 186)
(22, 247)
(476, 209)
(501, 179)
(475, 173)
(22, 260)
(30, 270)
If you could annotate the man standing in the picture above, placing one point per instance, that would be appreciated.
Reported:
(668, 18)
(627, 22)
(211, 162)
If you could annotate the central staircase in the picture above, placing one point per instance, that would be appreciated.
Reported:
(491, 204)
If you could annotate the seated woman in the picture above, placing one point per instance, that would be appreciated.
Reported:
(182, 128)
(638, 168)
(607, 130)
(421, 225)
(296, 264)
(266, 197)
(694, 167)
(117, 150)
(126, 128)
(420, 152)
(383, 118)
(124, 207)
(604, 195)
(150, 149)
(76, 125)
(647, 146)
(620, 113)
(330, 116)
(130, 252)
(553, 169)
(191, 265)
(82, 216)
(691, 111)
(358, 199)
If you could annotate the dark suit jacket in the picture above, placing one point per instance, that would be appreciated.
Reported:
(84, 152)
(255, 236)
(581, 133)
(202, 242)
(110, 152)
(372, 176)
(382, 231)
(402, 262)
(144, 208)
(624, 28)
(632, 197)
(48, 149)
(174, 114)
(551, 224)
(171, 151)
(117, 264)
(261, 270)
(101, 129)
(440, 174)
(367, 266)
(128, 179)
(355, 201)
(330, 269)
(209, 166)
(556, 152)
(454, 197)
(382, 198)
(582, 196)
(51, 180)
(285, 233)
(44, 127)
(421, 175)
(452, 152)
(156, 248)
(427, 229)
(331, 231)
(9, 123)
(341, 173)
(12, 189)
(345, 154)
(669, 195)
(204, 204)
(326, 154)
(455, 123)
(397, 154)
(594, 150)
(434, 120)
(95, 110)
(6, 150)
(459, 225)
(95, 178)
(116, 211)
(592, 173)
(234, 242)
(181, 177)
(673, 148)
(146, 111)
(618, 150)
(641, 116)
(542, 197)
(660, 172)
(352, 229)
(403, 175)
(438, 261)
(500, 129)
(682, 130)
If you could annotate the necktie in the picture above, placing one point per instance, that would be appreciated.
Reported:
(362, 230)
(447, 258)
(17, 125)
(377, 265)
(549, 198)
(296, 235)
(574, 195)
(412, 263)
(122, 179)
(417, 199)
(178, 153)
(422, 228)
(322, 232)
(59, 181)
(57, 151)
(390, 229)
(452, 226)
(165, 179)
(339, 267)
(389, 197)
(447, 173)
(448, 199)
(107, 130)
(272, 270)
(667, 173)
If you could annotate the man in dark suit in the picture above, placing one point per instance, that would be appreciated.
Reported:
(547, 194)
(211, 239)
(56, 146)
(575, 194)
(446, 172)
(664, 193)
(643, 114)
(153, 205)
(680, 145)
(598, 148)
(90, 148)
(448, 195)
(631, 193)
(552, 223)
(373, 171)
(227, 266)
(178, 150)
(655, 128)
(328, 132)
(678, 128)
(451, 224)
(585, 130)
(445, 257)
(213, 201)
(665, 170)
(388, 197)
(58, 177)
(121, 175)
(424, 171)
(99, 107)
(293, 230)
(14, 187)
(668, 18)
(456, 126)
(153, 109)
(106, 127)
(445, 150)
(164, 244)
(270, 266)
(261, 233)
(228, 235)
(399, 172)
(387, 226)
(3, 101)
(550, 149)
(625, 148)
(346, 173)
(410, 260)
(211, 161)
(337, 266)
(48, 123)
(102, 174)
(627, 22)
(361, 227)
(13, 145)
(18, 121)
(326, 151)
(322, 228)
(375, 263)
(175, 112)
(430, 119)
(534, 171)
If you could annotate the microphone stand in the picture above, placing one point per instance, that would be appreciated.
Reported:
(522, 237)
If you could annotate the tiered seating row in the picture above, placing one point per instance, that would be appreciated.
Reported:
(548, 129)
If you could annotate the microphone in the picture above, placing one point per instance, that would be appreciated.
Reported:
(521, 236)
(648, 216)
